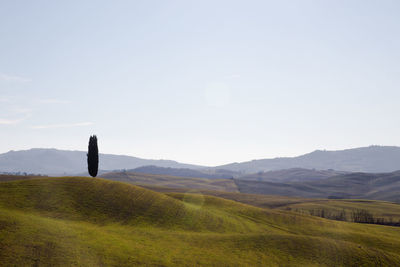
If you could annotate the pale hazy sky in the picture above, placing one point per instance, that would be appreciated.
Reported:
(204, 82)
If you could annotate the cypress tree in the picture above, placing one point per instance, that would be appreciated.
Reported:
(93, 156)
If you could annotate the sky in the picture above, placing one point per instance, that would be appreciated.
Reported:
(202, 82)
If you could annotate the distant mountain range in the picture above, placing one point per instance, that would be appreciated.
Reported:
(365, 159)
(63, 162)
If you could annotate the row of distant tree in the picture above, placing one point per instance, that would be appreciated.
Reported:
(364, 216)
(356, 215)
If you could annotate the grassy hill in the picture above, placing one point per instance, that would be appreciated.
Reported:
(93, 222)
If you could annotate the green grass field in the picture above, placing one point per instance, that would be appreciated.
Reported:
(74, 221)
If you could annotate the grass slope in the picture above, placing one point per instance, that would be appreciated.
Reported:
(94, 222)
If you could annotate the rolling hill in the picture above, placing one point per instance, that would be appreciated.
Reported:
(73, 221)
